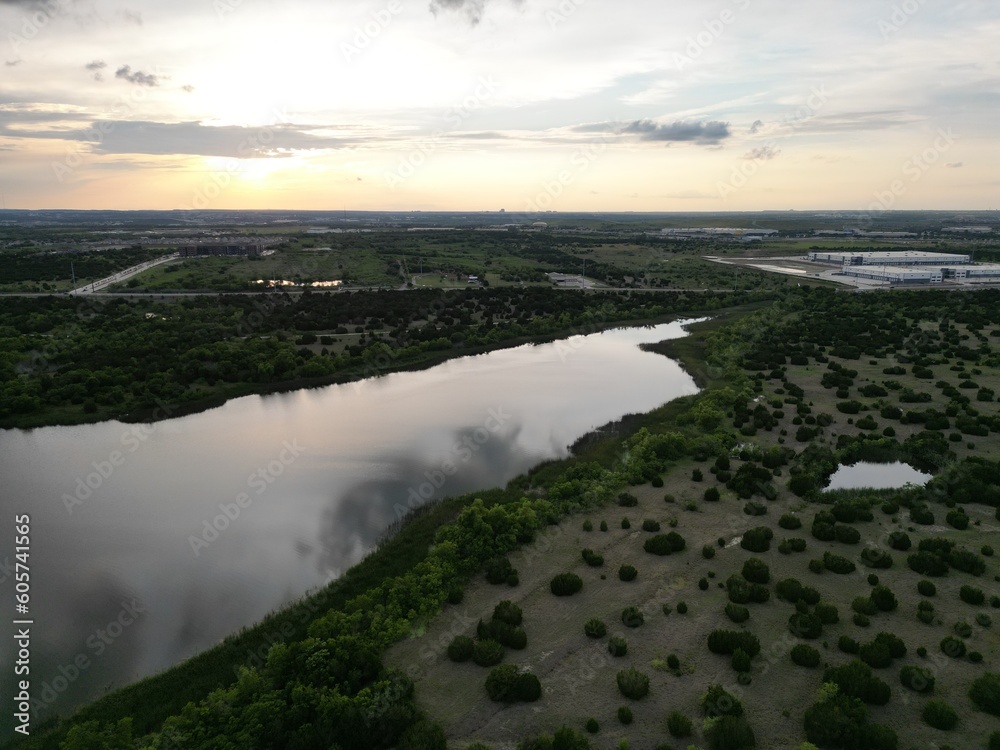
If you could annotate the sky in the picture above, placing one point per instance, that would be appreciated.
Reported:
(522, 105)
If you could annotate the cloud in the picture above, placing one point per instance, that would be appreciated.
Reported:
(679, 131)
(474, 9)
(763, 153)
(132, 16)
(12, 63)
(755, 128)
(955, 164)
(96, 67)
(138, 77)
(187, 88)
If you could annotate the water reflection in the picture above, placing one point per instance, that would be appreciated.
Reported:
(208, 522)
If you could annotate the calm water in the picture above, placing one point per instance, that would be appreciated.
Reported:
(865, 475)
(151, 543)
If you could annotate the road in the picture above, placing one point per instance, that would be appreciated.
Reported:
(125, 275)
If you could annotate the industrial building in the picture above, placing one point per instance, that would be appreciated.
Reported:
(251, 250)
(895, 275)
(983, 272)
(900, 258)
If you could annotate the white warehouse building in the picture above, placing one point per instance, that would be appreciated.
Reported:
(900, 258)
(983, 272)
(892, 275)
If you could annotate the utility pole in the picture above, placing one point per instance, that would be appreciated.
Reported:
(72, 270)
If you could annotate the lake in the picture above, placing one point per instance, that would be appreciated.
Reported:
(153, 542)
(864, 475)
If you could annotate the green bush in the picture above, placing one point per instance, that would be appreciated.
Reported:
(625, 715)
(855, 679)
(972, 595)
(805, 656)
(627, 500)
(626, 524)
(712, 495)
(708, 551)
(864, 605)
(632, 617)
(883, 598)
(827, 614)
(460, 649)
(926, 588)
(650, 525)
(861, 620)
(755, 570)
(985, 693)
(703, 584)
(679, 725)
(617, 646)
(790, 522)
(963, 629)
(592, 559)
(508, 612)
(673, 662)
(717, 702)
(632, 683)
(455, 596)
(757, 539)
(664, 544)
(592, 726)
(953, 647)
(789, 589)
(838, 564)
(627, 573)
(588, 525)
(595, 628)
(507, 684)
(741, 660)
(604, 525)
(918, 679)
(876, 655)
(487, 653)
(805, 626)
(900, 540)
(737, 613)
(727, 641)
(848, 645)
(731, 733)
(497, 570)
(940, 715)
(682, 608)
(566, 584)
(984, 620)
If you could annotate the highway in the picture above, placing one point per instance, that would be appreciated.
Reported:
(125, 275)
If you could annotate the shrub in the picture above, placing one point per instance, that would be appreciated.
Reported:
(972, 595)
(657, 481)
(827, 614)
(673, 662)
(963, 629)
(986, 551)
(632, 617)
(588, 525)
(592, 559)
(861, 620)
(757, 539)
(984, 620)
(566, 584)
(755, 509)
(708, 551)
(953, 647)
(650, 525)
(847, 534)
(741, 660)
(712, 495)
(625, 715)
(617, 646)
(805, 656)
(838, 564)
(985, 693)
(595, 628)
(957, 519)
(926, 588)
(512, 579)
(682, 608)
(755, 570)
(848, 645)
(895, 645)
(667, 609)
(940, 715)
(604, 525)
(626, 524)
(856, 680)
(460, 649)
(792, 544)
(883, 598)
(697, 476)
(455, 596)
(627, 573)
(727, 641)
(900, 540)
(507, 684)
(703, 584)
(737, 613)
(664, 544)
(805, 626)
(810, 595)
(731, 733)
(679, 725)
(633, 683)
(497, 570)
(864, 605)
(790, 522)
(592, 726)
(875, 655)
(789, 589)
(487, 653)
(917, 679)
(717, 702)
(508, 612)
(627, 500)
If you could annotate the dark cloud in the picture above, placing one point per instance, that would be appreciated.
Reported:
(12, 63)
(763, 153)
(137, 77)
(680, 131)
(96, 67)
(185, 138)
(757, 125)
(473, 9)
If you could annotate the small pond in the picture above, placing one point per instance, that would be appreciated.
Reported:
(864, 475)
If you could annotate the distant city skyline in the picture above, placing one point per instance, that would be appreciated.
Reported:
(526, 105)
